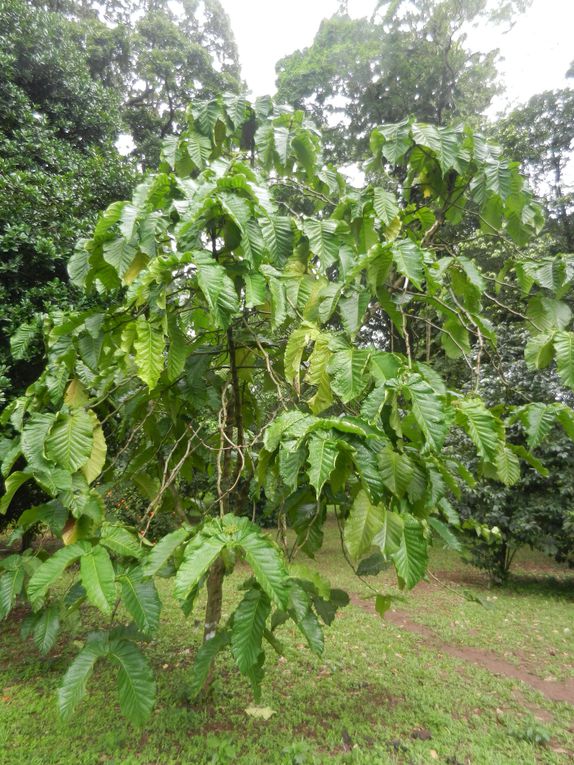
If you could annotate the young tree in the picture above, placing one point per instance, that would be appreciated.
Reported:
(238, 279)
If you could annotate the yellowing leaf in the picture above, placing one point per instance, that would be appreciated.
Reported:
(260, 713)
(97, 458)
(75, 394)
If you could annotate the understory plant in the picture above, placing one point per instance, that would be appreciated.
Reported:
(268, 350)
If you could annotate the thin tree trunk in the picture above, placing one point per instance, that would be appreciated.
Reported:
(214, 598)
(213, 611)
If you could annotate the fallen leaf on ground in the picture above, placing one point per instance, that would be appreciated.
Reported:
(260, 713)
(421, 733)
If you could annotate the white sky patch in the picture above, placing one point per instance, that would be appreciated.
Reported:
(537, 51)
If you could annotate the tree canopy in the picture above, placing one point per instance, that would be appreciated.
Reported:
(225, 375)
(408, 60)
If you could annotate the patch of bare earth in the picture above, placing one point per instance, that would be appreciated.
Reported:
(554, 690)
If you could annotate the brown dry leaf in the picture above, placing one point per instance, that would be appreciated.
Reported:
(422, 734)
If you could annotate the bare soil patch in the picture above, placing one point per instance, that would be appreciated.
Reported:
(554, 690)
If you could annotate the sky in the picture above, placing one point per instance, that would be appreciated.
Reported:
(537, 51)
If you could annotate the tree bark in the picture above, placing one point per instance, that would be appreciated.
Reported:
(213, 612)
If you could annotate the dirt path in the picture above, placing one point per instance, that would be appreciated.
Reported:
(489, 660)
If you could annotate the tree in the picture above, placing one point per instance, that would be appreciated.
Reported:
(157, 56)
(58, 166)
(238, 279)
(176, 58)
(538, 510)
(539, 134)
(408, 60)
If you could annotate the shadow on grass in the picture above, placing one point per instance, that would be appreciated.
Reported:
(546, 586)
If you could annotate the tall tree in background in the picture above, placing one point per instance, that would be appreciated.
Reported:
(541, 136)
(407, 60)
(58, 166)
(159, 55)
(176, 57)
(74, 75)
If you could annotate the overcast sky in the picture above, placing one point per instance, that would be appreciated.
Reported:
(537, 51)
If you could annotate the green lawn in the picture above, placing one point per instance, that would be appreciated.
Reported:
(421, 686)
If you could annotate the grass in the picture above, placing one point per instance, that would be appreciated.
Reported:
(379, 694)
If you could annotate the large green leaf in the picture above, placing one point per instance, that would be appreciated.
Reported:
(302, 571)
(352, 309)
(98, 577)
(218, 289)
(347, 369)
(428, 410)
(22, 339)
(136, 685)
(11, 583)
(302, 614)
(198, 147)
(46, 574)
(34, 435)
(323, 453)
(290, 464)
(385, 205)
(482, 426)
(322, 240)
(120, 540)
(507, 466)
(11, 486)
(255, 290)
(278, 237)
(141, 600)
(294, 350)
(408, 260)
(267, 564)
(149, 347)
(539, 351)
(364, 522)
(444, 531)
(396, 470)
(367, 467)
(162, 551)
(564, 349)
(46, 628)
(248, 625)
(411, 558)
(177, 352)
(444, 141)
(71, 441)
(305, 152)
(119, 253)
(390, 537)
(199, 554)
(547, 314)
(73, 688)
(97, 459)
(539, 419)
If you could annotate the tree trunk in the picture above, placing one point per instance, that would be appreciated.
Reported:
(27, 539)
(213, 611)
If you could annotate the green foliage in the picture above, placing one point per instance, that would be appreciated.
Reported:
(537, 509)
(397, 64)
(539, 135)
(57, 163)
(214, 399)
